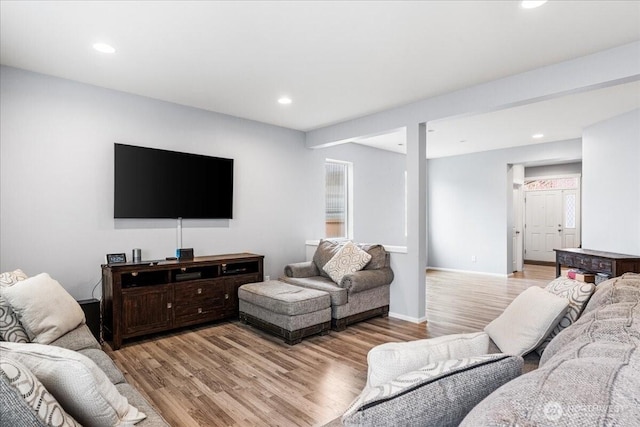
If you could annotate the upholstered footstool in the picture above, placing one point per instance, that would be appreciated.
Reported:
(285, 310)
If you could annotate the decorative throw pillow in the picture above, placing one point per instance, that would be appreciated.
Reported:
(10, 327)
(578, 294)
(348, 260)
(76, 382)
(324, 252)
(439, 394)
(44, 307)
(390, 360)
(527, 321)
(45, 406)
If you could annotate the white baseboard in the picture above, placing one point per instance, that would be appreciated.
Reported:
(454, 270)
(408, 318)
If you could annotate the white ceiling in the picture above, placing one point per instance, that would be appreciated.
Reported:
(557, 119)
(336, 60)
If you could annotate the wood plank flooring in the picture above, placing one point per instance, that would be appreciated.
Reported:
(231, 374)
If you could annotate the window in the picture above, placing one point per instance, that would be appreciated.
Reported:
(338, 199)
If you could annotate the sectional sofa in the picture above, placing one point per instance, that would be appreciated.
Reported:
(588, 374)
(67, 381)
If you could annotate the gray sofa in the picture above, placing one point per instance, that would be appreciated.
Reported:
(358, 296)
(589, 374)
(15, 412)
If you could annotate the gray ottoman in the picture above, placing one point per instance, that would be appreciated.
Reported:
(288, 311)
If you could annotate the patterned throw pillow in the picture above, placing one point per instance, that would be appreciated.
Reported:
(10, 327)
(77, 383)
(348, 260)
(578, 294)
(45, 406)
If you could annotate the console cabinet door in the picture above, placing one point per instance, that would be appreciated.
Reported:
(231, 294)
(146, 309)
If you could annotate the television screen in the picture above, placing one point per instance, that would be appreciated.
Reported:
(152, 183)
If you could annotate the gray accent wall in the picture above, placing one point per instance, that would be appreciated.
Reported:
(611, 185)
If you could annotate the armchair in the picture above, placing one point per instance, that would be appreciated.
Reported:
(359, 295)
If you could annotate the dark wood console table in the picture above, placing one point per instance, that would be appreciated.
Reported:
(155, 296)
(597, 261)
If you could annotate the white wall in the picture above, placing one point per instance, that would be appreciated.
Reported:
(470, 197)
(56, 181)
(378, 181)
(611, 185)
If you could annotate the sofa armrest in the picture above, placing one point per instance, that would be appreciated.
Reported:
(301, 269)
(366, 279)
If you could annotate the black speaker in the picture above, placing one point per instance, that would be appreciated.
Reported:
(185, 254)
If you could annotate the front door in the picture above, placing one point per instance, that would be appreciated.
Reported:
(543, 213)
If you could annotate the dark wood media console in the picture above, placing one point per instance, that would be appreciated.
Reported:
(147, 297)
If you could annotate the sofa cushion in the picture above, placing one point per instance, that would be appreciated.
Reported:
(439, 394)
(348, 259)
(527, 321)
(42, 403)
(77, 339)
(578, 294)
(10, 327)
(339, 296)
(77, 383)
(387, 361)
(45, 308)
(105, 363)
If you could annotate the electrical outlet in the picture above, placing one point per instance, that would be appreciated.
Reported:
(473, 258)
(267, 278)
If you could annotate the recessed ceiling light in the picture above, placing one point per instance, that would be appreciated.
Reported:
(284, 100)
(431, 130)
(103, 47)
(463, 140)
(537, 136)
(532, 4)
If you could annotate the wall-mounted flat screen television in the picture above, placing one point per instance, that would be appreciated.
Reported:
(153, 183)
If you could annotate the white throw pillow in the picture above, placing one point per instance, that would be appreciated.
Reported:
(527, 321)
(388, 361)
(80, 386)
(44, 307)
(348, 259)
(43, 404)
(578, 294)
(10, 327)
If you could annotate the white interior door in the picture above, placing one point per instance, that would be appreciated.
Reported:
(518, 226)
(543, 213)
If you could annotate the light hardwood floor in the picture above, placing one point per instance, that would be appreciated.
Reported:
(231, 374)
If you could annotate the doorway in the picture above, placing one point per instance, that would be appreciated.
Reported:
(552, 216)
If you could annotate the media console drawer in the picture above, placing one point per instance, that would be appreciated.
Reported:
(140, 298)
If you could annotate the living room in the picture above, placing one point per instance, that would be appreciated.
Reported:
(57, 136)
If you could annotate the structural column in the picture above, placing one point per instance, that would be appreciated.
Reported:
(414, 291)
